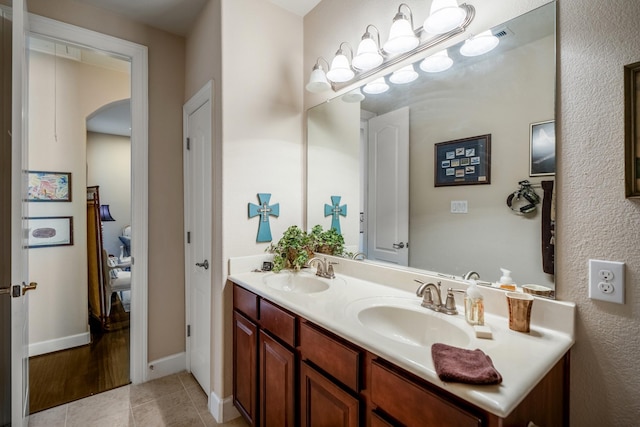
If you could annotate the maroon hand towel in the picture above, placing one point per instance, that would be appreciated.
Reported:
(455, 364)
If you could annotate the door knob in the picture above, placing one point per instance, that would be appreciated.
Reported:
(30, 287)
(398, 245)
(204, 264)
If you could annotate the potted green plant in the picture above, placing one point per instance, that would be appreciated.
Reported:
(328, 242)
(296, 247)
(292, 250)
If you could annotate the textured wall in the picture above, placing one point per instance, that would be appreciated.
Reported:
(595, 221)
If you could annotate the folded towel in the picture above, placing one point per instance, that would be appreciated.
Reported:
(464, 366)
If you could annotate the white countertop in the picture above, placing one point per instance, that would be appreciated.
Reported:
(522, 359)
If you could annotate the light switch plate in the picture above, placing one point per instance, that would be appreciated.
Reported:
(606, 281)
(459, 206)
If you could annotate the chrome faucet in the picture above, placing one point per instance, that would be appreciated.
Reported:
(429, 291)
(324, 267)
(471, 275)
(360, 255)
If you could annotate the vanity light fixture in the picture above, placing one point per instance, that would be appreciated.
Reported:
(353, 96)
(376, 87)
(341, 70)
(437, 62)
(404, 42)
(318, 79)
(402, 37)
(404, 75)
(368, 55)
(479, 44)
(444, 16)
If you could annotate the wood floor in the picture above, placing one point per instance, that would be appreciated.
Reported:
(68, 375)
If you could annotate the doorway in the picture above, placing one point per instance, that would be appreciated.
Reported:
(72, 144)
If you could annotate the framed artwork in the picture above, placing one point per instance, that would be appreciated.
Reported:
(632, 129)
(463, 161)
(542, 144)
(49, 186)
(50, 231)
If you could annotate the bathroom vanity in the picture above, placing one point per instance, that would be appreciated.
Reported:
(353, 352)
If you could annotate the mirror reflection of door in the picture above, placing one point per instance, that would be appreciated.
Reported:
(71, 90)
(388, 191)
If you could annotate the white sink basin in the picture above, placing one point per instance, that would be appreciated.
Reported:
(409, 323)
(300, 282)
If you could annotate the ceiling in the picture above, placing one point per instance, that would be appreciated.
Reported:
(174, 16)
(177, 16)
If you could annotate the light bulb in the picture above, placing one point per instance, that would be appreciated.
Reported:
(480, 44)
(340, 69)
(445, 15)
(375, 87)
(404, 75)
(368, 55)
(437, 62)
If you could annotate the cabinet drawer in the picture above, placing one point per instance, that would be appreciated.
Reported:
(246, 302)
(411, 404)
(333, 356)
(279, 322)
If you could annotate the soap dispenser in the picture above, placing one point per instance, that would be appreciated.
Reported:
(474, 305)
(506, 281)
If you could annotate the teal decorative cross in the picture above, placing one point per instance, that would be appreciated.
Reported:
(264, 211)
(335, 210)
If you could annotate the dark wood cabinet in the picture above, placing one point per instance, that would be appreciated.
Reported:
(325, 404)
(289, 371)
(245, 367)
(277, 383)
(411, 404)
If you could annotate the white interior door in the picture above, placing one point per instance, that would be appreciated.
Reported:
(19, 258)
(198, 248)
(388, 193)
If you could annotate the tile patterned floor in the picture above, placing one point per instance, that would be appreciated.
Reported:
(175, 400)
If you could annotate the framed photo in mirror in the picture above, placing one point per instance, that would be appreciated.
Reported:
(542, 143)
(632, 129)
(463, 161)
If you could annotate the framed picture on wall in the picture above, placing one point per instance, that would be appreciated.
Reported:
(49, 186)
(50, 231)
(463, 161)
(542, 142)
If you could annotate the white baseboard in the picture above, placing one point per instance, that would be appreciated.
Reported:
(222, 409)
(58, 344)
(166, 366)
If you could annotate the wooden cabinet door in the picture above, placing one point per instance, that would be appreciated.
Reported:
(277, 384)
(245, 367)
(323, 403)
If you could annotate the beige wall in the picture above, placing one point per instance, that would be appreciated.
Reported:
(257, 120)
(109, 166)
(594, 220)
(261, 125)
(62, 94)
(166, 96)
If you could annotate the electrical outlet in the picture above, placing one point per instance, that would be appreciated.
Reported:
(606, 281)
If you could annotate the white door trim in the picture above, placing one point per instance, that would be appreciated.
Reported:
(204, 95)
(139, 175)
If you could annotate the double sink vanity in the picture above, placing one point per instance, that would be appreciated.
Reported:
(356, 350)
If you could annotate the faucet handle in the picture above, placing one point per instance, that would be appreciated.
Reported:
(330, 273)
(450, 304)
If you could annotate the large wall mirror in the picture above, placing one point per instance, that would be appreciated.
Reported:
(378, 155)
